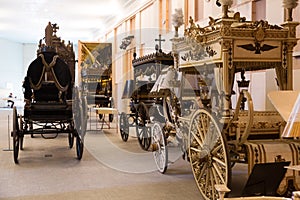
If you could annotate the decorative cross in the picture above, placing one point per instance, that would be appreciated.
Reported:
(159, 41)
(55, 28)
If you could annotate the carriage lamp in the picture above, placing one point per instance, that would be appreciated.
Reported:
(243, 85)
(126, 42)
(204, 93)
(205, 88)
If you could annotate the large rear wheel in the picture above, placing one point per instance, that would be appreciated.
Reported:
(208, 154)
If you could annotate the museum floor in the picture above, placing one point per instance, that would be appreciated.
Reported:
(110, 169)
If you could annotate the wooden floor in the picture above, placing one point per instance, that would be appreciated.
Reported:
(110, 169)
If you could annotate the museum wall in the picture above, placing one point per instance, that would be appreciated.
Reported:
(14, 60)
(155, 18)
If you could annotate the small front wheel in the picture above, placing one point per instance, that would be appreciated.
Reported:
(159, 148)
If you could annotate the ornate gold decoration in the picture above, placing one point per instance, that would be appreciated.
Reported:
(199, 53)
(257, 48)
(259, 35)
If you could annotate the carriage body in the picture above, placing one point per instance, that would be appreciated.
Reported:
(52, 105)
(218, 135)
(146, 70)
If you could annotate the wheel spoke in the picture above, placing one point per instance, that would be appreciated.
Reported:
(219, 161)
(197, 139)
(199, 131)
(215, 175)
(202, 172)
(195, 163)
(216, 149)
(197, 150)
(216, 168)
(206, 181)
(212, 182)
(203, 122)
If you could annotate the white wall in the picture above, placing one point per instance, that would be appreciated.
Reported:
(14, 56)
(275, 7)
(29, 54)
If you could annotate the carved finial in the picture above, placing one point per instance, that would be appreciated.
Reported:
(289, 5)
(191, 21)
(48, 34)
(177, 20)
(225, 7)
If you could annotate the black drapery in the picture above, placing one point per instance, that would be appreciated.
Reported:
(59, 73)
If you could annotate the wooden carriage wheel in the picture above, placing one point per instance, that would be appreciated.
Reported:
(124, 127)
(79, 147)
(159, 148)
(71, 139)
(143, 132)
(21, 128)
(16, 135)
(209, 155)
(80, 121)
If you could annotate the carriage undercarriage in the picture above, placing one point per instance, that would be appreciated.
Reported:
(50, 120)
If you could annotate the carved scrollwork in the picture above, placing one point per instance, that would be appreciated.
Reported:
(198, 52)
(256, 24)
(225, 30)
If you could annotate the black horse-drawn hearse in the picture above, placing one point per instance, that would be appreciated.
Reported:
(52, 104)
(146, 69)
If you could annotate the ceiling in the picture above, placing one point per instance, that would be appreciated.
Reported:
(25, 21)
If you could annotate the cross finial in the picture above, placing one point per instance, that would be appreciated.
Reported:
(159, 41)
(55, 28)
